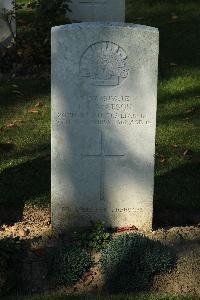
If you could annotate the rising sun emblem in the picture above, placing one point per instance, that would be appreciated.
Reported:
(104, 64)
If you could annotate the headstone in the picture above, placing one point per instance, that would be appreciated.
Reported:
(97, 10)
(104, 90)
(5, 31)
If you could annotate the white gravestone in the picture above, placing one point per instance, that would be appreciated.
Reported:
(97, 10)
(104, 91)
(5, 31)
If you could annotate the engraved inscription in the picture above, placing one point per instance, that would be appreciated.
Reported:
(102, 155)
(104, 64)
(103, 110)
(99, 209)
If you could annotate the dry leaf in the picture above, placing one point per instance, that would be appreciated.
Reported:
(162, 160)
(10, 125)
(39, 104)
(17, 92)
(32, 110)
(126, 228)
(174, 17)
(187, 152)
(19, 121)
(174, 146)
(190, 110)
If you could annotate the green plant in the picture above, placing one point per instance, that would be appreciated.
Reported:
(94, 238)
(70, 264)
(33, 47)
(46, 14)
(130, 260)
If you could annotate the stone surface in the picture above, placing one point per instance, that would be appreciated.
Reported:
(5, 34)
(104, 90)
(98, 10)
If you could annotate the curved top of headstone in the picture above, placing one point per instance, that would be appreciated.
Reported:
(97, 10)
(90, 25)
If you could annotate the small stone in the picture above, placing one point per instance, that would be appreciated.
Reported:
(2, 228)
(48, 222)
(24, 232)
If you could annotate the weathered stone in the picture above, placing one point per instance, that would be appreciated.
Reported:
(97, 10)
(5, 29)
(104, 90)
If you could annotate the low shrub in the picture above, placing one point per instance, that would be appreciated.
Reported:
(70, 264)
(130, 260)
(94, 238)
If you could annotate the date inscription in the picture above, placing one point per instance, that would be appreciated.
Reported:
(103, 110)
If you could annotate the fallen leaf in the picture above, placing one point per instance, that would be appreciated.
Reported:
(174, 17)
(126, 228)
(187, 152)
(162, 160)
(190, 110)
(32, 110)
(19, 121)
(17, 92)
(11, 125)
(174, 146)
(39, 104)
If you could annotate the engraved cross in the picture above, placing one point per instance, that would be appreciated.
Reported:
(102, 156)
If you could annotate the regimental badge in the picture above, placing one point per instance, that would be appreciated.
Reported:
(104, 64)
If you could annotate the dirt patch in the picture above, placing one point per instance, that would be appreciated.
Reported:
(35, 222)
(185, 278)
(35, 235)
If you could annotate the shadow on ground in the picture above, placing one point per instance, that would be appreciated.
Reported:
(21, 184)
(176, 197)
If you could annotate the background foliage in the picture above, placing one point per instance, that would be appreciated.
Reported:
(33, 44)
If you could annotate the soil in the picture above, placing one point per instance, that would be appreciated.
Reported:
(34, 229)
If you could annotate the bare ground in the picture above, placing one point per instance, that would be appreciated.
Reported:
(35, 228)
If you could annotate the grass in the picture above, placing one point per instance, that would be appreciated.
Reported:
(25, 146)
(176, 173)
(104, 297)
(25, 142)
